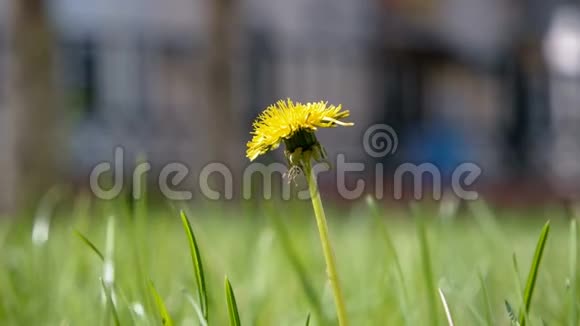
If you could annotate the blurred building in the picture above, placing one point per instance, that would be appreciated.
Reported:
(459, 80)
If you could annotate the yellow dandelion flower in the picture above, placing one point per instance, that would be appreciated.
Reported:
(294, 124)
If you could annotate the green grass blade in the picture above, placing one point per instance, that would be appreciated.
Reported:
(427, 271)
(474, 311)
(488, 311)
(110, 303)
(446, 308)
(197, 308)
(300, 270)
(533, 275)
(486, 218)
(511, 313)
(139, 185)
(382, 227)
(197, 265)
(109, 262)
(141, 253)
(89, 244)
(516, 269)
(518, 281)
(390, 248)
(573, 272)
(307, 320)
(232, 305)
(163, 313)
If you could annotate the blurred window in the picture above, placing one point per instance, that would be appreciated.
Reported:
(80, 76)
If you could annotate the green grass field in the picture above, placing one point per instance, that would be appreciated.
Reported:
(392, 263)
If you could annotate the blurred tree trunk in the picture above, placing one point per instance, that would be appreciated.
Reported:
(32, 97)
(7, 166)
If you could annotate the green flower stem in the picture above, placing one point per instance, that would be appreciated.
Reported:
(326, 246)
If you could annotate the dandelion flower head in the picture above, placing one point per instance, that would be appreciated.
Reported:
(294, 124)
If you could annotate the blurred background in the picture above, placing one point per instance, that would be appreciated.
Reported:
(495, 82)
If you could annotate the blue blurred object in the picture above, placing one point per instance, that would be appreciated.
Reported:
(439, 143)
